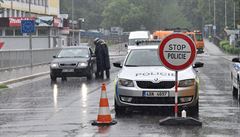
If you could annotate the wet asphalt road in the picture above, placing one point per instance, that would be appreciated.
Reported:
(39, 108)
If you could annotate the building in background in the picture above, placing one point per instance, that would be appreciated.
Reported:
(49, 24)
(20, 8)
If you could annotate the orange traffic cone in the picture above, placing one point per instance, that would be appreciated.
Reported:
(104, 116)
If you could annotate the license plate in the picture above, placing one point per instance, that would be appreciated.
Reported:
(155, 93)
(68, 70)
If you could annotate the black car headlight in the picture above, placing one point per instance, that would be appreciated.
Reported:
(186, 83)
(54, 65)
(82, 64)
(126, 83)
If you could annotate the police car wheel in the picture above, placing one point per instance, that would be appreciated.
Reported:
(119, 110)
(234, 91)
(194, 110)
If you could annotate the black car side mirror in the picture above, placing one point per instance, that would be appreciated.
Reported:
(93, 55)
(117, 64)
(236, 60)
(198, 65)
(54, 56)
(126, 45)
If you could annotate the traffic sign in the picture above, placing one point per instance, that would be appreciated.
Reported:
(177, 51)
(28, 26)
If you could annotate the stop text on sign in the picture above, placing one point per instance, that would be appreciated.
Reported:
(177, 55)
(177, 51)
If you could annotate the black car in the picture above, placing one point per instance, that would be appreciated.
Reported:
(73, 61)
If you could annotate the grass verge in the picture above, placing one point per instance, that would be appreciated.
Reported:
(2, 86)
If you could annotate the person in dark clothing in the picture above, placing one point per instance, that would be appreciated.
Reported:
(106, 60)
(98, 56)
(102, 58)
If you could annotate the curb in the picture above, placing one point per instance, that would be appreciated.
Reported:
(11, 81)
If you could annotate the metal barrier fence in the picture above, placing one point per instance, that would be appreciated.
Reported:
(10, 59)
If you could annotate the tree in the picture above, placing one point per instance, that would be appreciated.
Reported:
(124, 14)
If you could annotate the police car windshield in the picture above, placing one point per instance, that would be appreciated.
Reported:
(143, 57)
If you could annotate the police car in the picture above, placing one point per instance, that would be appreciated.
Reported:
(235, 73)
(144, 81)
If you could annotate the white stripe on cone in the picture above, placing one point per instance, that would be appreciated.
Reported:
(104, 111)
(104, 94)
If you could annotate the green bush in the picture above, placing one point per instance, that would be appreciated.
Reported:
(223, 43)
(229, 48)
(3, 86)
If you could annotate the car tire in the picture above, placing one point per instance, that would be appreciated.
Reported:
(234, 92)
(194, 110)
(53, 78)
(119, 110)
(238, 92)
(90, 74)
(234, 89)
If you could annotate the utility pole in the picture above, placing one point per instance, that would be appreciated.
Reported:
(234, 14)
(225, 13)
(209, 7)
(214, 17)
(73, 35)
(30, 35)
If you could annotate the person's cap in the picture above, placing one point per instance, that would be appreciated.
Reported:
(96, 40)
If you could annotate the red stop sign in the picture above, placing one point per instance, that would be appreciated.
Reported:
(177, 52)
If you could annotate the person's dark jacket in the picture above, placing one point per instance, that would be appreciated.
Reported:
(106, 60)
(102, 56)
(99, 57)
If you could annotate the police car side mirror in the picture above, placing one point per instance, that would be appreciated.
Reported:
(236, 60)
(126, 45)
(117, 64)
(54, 56)
(198, 65)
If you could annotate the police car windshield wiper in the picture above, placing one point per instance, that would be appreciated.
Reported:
(79, 56)
(132, 65)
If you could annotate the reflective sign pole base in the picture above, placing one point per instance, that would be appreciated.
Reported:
(180, 121)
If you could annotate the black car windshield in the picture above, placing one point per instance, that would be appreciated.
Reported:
(74, 53)
(143, 57)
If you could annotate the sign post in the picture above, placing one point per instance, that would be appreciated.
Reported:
(177, 52)
(28, 26)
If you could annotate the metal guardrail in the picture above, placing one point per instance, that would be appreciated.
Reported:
(10, 59)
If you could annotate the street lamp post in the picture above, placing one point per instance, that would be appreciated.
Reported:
(214, 17)
(73, 35)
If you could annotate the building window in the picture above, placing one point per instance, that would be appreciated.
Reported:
(1, 32)
(8, 12)
(18, 32)
(43, 32)
(8, 32)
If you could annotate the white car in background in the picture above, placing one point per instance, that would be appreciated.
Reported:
(144, 81)
(235, 77)
(135, 36)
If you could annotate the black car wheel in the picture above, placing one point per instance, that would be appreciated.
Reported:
(53, 78)
(90, 74)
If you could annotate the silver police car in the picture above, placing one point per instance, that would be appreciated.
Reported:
(144, 81)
